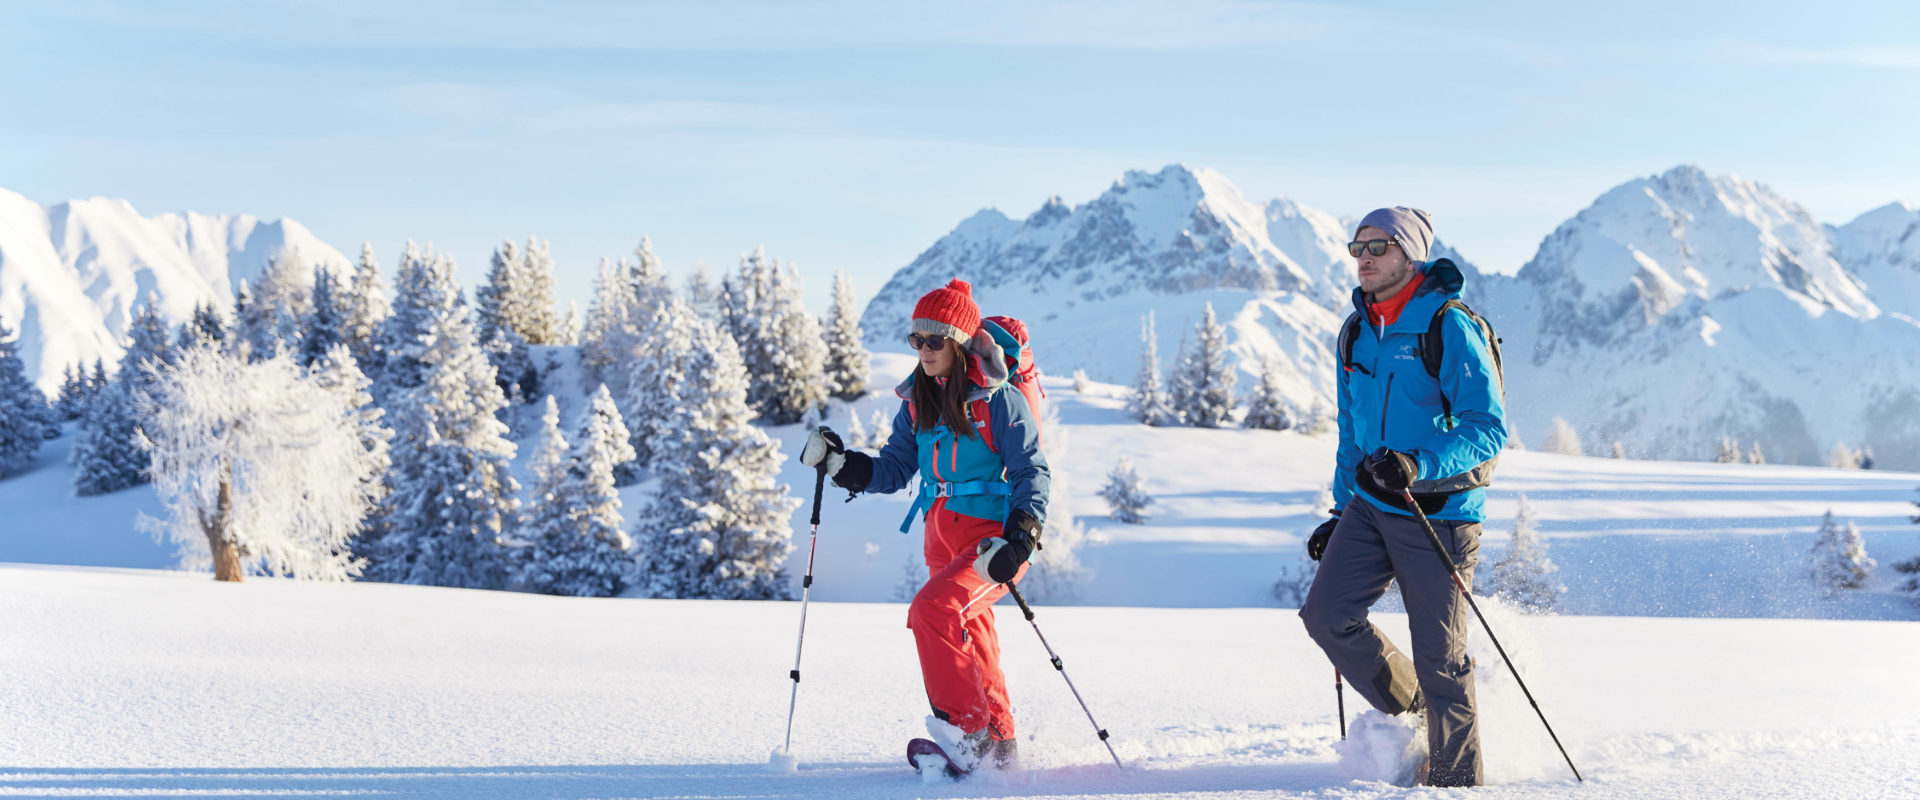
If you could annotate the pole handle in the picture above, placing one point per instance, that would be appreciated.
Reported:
(819, 485)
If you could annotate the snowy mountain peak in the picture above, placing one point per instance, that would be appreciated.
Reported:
(1648, 247)
(71, 274)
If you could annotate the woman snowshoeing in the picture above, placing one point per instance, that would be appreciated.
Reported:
(975, 443)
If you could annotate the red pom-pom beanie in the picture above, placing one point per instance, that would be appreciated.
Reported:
(948, 311)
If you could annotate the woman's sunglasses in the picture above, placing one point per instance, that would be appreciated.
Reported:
(1374, 247)
(928, 343)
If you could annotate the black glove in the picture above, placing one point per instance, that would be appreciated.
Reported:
(1317, 543)
(1000, 558)
(1391, 469)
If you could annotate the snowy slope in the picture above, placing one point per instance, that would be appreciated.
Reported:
(148, 684)
(71, 274)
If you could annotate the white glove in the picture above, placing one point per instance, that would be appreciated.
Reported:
(824, 446)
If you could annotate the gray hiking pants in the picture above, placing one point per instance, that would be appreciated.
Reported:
(1368, 549)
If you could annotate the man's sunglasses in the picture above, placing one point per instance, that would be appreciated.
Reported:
(1374, 247)
(928, 343)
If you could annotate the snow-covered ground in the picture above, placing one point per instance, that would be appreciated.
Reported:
(136, 683)
(1641, 538)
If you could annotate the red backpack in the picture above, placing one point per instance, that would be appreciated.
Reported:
(1023, 372)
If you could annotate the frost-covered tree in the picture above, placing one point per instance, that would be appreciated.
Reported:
(1755, 456)
(1839, 557)
(107, 455)
(1523, 574)
(1081, 383)
(1267, 407)
(1204, 379)
(1843, 457)
(205, 328)
(1728, 452)
(913, 575)
(367, 309)
(25, 418)
(718, 527)
(325, 325)
(404, 336)
(1149, 398)
(793, 353)
(1055, 575)
(570, 325)
(1618, 451)
(452, 497)
(261, 468)
(1125, 493)
(1561, 438)
(857, 433)
(536, 320)
(847, 358)
(573, 522)
(503, 277)
(276, 304)
(513, 366)
(1866, 457)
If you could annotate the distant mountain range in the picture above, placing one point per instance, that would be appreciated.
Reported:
(1676, 310)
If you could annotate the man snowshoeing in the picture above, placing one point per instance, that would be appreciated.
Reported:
(974, 440)
(1408, 422)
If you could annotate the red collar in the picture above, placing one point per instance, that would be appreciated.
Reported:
(1386, 313)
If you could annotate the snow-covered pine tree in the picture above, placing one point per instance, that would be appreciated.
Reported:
(25, 418)
(700, 294)
(600, 333)
(452, 497)
(857, 433)
(1866, 456)
(1755, 456)
(1729, 452)
(367, 310)
(513, 366)
(1618, 451)
(656, 382)
(280, 299)
(1182, 388)
(1561, 438)
(847, 358)
(913, 575)
(578, 546)
(107, 454)
(1843, 457)
(326, 323)
(1210, 377)
(534, 317)
(1081, 383)
(492, 301)
(880, 430)
(404, 336)
(261, 468)
(719, 526)
(1523, 575)
(1148, 401)
(1267, 407)
(337, 372)
(570, 325)
(205, 328)
(1839, 557)
(287, 281)
(1125, 493)
(73, 394)
(787, 346)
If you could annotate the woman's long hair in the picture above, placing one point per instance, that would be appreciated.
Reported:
(934, 404)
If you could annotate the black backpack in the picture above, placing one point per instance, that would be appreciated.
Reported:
(1431, 349)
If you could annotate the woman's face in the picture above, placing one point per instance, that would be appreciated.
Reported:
(937, 362)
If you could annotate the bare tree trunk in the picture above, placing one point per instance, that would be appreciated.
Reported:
(226, 557)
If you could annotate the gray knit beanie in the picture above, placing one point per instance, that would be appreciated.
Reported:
(1411, 227)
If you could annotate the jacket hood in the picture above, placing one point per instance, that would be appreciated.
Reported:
(1440, 275)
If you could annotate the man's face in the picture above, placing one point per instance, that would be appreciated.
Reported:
(1389, 270)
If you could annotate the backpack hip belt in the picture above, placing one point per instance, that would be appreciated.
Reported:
(931, 490)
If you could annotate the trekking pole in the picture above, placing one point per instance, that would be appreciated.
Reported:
(1062, 667)
(1340, 702)
(1453, 570)
(806, 589)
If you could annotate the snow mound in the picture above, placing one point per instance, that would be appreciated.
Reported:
(1383, 748)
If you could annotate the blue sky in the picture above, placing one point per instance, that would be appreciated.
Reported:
(852, 135)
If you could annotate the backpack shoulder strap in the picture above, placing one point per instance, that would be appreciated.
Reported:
(1433, 347)
(1344, 346)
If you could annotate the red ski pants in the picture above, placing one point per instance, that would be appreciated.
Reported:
(952, 623)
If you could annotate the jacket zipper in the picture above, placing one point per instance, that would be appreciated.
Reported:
(1384, 402)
